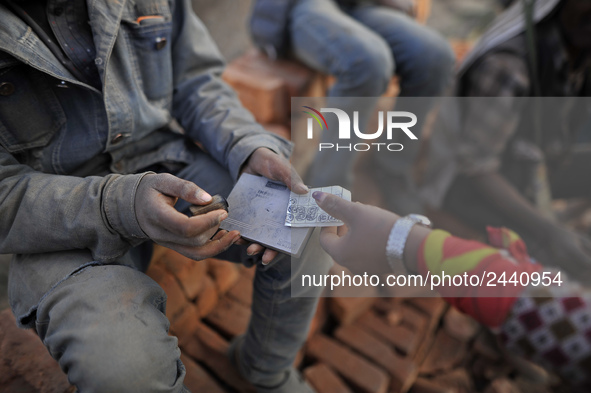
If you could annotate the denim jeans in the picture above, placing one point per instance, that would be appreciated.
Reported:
(105, 323)
(363, 47)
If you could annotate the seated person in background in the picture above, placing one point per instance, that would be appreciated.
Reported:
(363, 44)
(101, 113)
(514, 155)
(549, 323)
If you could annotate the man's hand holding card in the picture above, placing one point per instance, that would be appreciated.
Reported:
(273, 209)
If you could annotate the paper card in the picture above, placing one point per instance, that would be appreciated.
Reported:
(303, 212)
(257, 208)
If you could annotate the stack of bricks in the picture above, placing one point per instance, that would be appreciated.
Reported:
(367, 345)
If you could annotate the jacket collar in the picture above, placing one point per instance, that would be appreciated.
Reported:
(18, 40)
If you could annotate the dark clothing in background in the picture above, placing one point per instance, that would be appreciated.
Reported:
(66, 23)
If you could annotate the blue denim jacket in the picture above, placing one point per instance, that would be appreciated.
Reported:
(154, 99)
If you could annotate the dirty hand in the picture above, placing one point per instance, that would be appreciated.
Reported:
(360, 244)
(155, 198)
(266, 162)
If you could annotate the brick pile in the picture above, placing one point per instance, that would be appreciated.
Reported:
(368, 345)
(25, 364)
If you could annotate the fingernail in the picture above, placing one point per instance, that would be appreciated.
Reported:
(318, 195)
(203, 196)
(265, 263)
(236, 239)
(303, 188)
(222, 216)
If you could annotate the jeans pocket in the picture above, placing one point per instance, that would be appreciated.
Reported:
(30, 113)
(148, 30)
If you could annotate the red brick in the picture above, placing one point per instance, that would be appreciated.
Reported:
(347, 309)
(360, 373)
(459, 380)
(492, 370)
(459, 325)
(229, 317)
(298, 79)
(528, 370)
(461, 48)
(402, 370)
(527, 386)
(225, 274)
(422, 10)
(394, 317)
(264, 95)
(188, 272)
(486, 346)
(210, 349)
(502, 385)
(176, 300)
(432, 306)
(320, 318)
(157, 253)
(391, 309)
(17, 385)
(242, 290)
(184, 325)
(403, 338)
(414, 318)
(433, 309)
(324, 380)
(299, 358)
(445, 354)
(386, 304)
(423, 385)
(208, 297)
(26, 362)
(197, 380)
(278, 129)
(248, 272)
(156, 271)
(393, 89)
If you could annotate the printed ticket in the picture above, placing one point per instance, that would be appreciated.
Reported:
(302, 210)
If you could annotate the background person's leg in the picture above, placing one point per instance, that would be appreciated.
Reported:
(330, 41)
(424, 63)
(424, 59)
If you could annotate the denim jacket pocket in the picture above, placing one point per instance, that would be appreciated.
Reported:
(148, 28)
(30, 113)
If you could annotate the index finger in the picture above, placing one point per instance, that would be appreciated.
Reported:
(180, 188)
(296, 184)
(287, 174)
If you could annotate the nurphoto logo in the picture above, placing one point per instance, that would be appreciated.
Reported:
(395, 121)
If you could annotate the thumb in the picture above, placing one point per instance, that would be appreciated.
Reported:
(335, 206)
(179, 188)
(330, 241)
